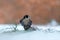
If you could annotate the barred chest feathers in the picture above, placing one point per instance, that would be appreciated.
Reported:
(26, 21)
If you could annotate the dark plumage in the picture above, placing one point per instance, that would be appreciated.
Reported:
(26, 22)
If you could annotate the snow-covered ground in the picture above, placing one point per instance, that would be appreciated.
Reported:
(50, 31)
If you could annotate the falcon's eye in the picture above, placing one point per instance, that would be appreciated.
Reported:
(26, 16)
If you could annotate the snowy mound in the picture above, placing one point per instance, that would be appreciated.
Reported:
(50, 27)
(45, 32)
(50, 31)
(43, 28)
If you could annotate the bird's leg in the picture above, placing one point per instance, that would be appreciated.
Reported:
(26, 27)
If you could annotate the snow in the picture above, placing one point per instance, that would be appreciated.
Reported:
(50, 31)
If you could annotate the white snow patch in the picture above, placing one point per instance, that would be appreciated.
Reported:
(50, 31)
